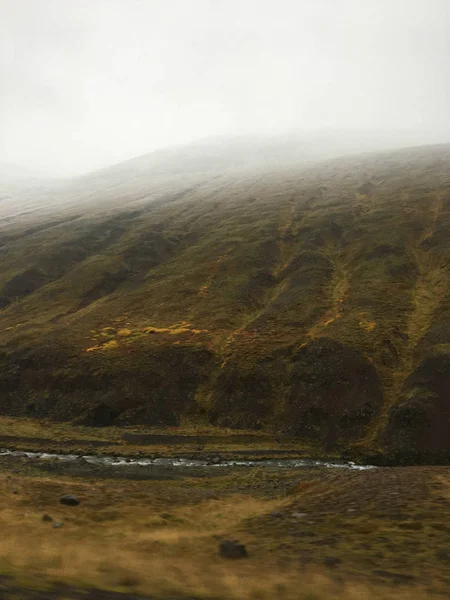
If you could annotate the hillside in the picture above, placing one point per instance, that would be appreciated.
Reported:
(311, 300)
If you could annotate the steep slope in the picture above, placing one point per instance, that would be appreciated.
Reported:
(308, 300)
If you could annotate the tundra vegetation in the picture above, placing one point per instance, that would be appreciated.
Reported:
(310, 301)
(225, 311)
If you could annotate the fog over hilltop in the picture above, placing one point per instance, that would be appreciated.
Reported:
(165, 174)
(89, 83)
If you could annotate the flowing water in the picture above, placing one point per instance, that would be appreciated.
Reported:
(186, 462)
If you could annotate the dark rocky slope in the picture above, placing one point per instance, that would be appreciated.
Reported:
(312, 300)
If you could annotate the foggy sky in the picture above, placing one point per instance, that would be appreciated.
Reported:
(86, 83)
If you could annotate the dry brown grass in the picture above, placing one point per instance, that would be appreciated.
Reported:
(47, 435)
(138, 537)
(86, 564)
(161, 538)
(53, 431)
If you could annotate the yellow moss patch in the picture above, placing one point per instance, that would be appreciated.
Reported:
(367, 325)
(178, 328)
(124, 332)
(110, 345)
(156, 330)
(106, 346)
(203, 291)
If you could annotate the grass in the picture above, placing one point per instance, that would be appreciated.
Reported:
(205, 441)
(387, 528)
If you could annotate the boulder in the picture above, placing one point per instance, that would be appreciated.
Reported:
(232, 549)
(69, 500)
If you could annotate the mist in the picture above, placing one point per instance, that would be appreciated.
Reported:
(88, 83)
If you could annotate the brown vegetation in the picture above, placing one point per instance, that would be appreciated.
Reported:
(314, 534)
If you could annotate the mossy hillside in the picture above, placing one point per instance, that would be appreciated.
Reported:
(203, 304)
(141, 384)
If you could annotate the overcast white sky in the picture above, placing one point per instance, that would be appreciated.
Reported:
(85, 83)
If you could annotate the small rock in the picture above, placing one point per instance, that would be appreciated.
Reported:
(299, 515)
(69, 500)
(232, 549)
(57, 525)
(276, 515)
(47, 518)
(15, 492)
(332, 561)
(216, 460)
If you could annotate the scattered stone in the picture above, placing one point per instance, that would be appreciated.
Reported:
(216, 460)
(47, 518)
(57, 525)
(69, 500)
(15, 492)
(332, 561)
(299, 515)
(232, 549)
(277, 514)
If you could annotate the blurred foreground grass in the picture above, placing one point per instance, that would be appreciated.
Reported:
(310, 534)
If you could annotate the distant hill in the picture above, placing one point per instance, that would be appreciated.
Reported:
(241, 283)
(166, 172)
(10, 173)
(19, 190)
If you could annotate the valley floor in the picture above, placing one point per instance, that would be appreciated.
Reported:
(311, 534)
